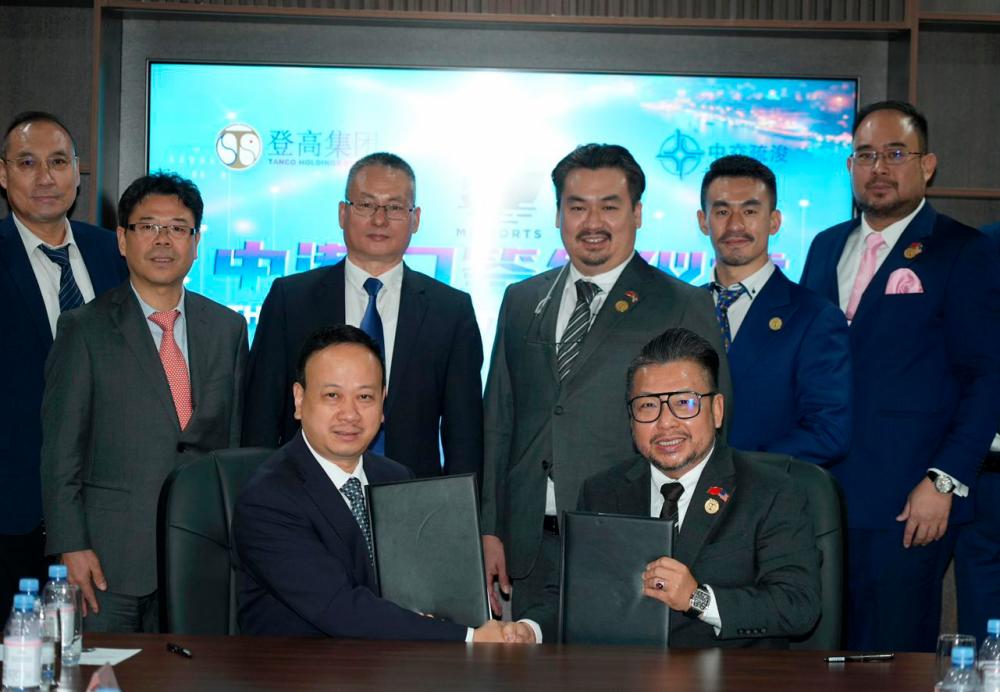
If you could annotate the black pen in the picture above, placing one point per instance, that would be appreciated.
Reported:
(859, 658)
(179, 650)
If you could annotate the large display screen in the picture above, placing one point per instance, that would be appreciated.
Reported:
(270, 147)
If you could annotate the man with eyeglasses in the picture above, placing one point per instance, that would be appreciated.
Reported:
(143, 379)
(48, 264)
(745, 567)
(922, 294)
(427, 332)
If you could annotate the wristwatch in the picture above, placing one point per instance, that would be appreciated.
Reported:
(942, 483)
(699, 601)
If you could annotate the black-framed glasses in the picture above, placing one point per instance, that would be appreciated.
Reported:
(892, 157)
(394, 211)
(29, 165)
(152, 230)
(647, 408)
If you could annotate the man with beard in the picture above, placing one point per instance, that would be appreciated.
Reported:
(788, 348)
(745, 568)
(922, 295)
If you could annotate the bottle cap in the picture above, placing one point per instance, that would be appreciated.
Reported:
(24, 602)
(58, 572)
(962, 656)
(993, 627)
(28, 585)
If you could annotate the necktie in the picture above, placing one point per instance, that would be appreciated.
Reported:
(726, 297)
(353, 491)
(371, 324)
(174, 365)
(869, 261)
(69, 293)
(577, 327)
(671, 494)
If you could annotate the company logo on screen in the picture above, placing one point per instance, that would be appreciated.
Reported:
(238, 146)
(680, 154)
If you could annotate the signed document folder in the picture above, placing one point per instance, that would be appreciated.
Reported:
(601, 599)
(428, 549)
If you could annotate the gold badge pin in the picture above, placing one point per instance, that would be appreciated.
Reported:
(910, 252)
(775, 324)
(711, 505)
(621, 306)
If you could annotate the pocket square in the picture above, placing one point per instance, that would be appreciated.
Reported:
(903, 281)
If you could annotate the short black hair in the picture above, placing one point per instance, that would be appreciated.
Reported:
(672, 345)
(26, 117)
(382, 158)
(917, 119)
(161, 183)
(324, 337)
(595, 156)
(739, 166)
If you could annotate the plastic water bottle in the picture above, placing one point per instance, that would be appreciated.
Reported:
(963, 676)
(63, 616)
(29, 586)
(22, 647)
(989, 657)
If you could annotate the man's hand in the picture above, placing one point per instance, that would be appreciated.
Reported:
(85, 571)
(496, 632)
(496, 569)
(925, 513)
(669, 581)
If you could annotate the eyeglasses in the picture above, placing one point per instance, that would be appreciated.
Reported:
(150, 231)
(892, 157)
(393, 211)
(648, 407)
(29, 165)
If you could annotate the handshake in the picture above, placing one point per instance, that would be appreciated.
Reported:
(504, 633)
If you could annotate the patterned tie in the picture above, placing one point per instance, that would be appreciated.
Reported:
(577, 327)
(371, 324)
(353, 491)
(69, 293)
(725, 300)
(174, 365)
(869, 261)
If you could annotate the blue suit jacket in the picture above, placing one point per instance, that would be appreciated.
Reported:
(302, 560)
(792, 385)
(25, 340)
(926, 365)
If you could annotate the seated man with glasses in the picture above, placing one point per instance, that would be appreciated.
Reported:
(745, 568)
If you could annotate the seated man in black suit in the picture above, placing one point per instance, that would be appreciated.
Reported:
(745, 569)
(301, 528)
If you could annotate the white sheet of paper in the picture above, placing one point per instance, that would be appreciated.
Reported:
(98, 657)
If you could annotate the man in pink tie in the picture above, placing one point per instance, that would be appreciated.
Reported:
(144, 378)
(922, 295)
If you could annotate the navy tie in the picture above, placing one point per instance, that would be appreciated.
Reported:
(371, 324)
(69, 293)
(726, 297)
(353, 491)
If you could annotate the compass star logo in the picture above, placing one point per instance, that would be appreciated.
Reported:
(680, 154)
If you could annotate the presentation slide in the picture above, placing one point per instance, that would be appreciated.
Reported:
(270, 148)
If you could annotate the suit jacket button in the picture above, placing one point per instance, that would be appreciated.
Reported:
(181, 447)
(558, 410)
(546, 464)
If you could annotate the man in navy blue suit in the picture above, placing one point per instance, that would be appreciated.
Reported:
(788, 347)
(301, 528)
(47, 264)
(922, 294)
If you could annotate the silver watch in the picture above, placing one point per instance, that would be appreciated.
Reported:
(700, 600)
(942, 483)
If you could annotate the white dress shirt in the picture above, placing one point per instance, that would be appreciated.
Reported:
(690, 482)
(387, 302)
(741, 306)
(180, 326)
(48, 273)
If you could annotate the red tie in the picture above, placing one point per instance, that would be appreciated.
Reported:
(174, 365)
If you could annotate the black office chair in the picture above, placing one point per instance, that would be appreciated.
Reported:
(826, 508)
(197, 582)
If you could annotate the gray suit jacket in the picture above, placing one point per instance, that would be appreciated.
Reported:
(536, 425)
(110, 429)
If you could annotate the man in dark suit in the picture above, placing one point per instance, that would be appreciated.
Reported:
(303, 538)
(788, 349)
(977, 550)
(923, 296)
(553, 403)
(47, 264)
(745, 568)
(426, 329)
(143, 379)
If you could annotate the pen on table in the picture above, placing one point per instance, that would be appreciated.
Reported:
(179, 650)
(859, 658)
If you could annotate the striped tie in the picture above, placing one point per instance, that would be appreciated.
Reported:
(577, 328)
(69, 293)
(726, 297)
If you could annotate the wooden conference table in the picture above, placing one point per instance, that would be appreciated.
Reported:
(262, 663)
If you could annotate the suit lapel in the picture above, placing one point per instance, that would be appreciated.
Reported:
(633, 495)
(831, 285)
(698, 523)
(543, 327)
(103, 274)
(328, 298)
(773, 301)
(15, 259)
(413, 306)
(198, 341)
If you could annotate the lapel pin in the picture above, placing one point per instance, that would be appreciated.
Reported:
(632, 296)
(913, 250)
(716, 491)
(711, 505)
(622, 306)
(775, 324)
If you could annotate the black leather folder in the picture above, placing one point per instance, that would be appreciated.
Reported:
(428, 549)
(603, 558)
